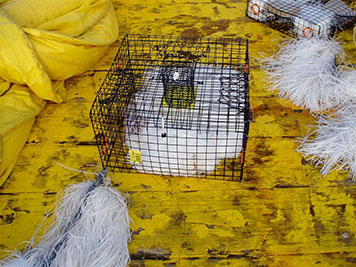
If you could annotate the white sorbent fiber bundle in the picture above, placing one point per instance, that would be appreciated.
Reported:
(304, 72)
(334, 142)
(188, 152)
(18, 261)
(347, 83)
(98, 238)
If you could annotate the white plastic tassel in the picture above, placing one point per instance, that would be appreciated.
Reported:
(305, 73)
(347, 83)
(17, 261)
(334, 143)
(97, 237)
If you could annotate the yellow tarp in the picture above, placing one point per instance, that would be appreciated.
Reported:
(42, 43)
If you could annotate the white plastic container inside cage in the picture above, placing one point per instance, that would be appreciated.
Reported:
(302, 18)
(170, 146)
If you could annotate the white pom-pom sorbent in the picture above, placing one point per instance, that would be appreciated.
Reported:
(348, 86)
(304, 72)
(334, 143)
(17, 261)
(99, 236)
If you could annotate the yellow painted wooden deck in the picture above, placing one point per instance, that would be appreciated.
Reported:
(283, 214)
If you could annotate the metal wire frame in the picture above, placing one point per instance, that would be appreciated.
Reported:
(130, 102)
(303, 18)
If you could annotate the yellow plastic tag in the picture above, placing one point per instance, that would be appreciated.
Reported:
(135, 156)
(182, 94)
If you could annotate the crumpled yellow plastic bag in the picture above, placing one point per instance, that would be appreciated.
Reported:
(42, 43)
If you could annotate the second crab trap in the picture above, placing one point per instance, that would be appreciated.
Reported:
(174, 106)
(303, 18)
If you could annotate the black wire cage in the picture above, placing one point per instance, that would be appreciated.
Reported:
(303, 18)
(175, 106)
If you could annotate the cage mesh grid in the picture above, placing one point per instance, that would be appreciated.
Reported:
(303, 18)
(137, 128)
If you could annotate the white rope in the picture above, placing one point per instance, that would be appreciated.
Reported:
(76, 170)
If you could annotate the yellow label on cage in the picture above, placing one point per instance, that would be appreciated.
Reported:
(135, 156)
(181, 98)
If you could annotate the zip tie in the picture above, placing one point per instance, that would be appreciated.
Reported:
(164, 134)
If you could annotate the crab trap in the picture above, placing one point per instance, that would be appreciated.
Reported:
(175, 106)
(303, 18)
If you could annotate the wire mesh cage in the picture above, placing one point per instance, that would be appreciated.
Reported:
(175, 106)
(303, 18)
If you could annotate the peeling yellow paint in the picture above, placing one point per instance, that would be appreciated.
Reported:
(201, 230)
(149, 225)
(232, 218)
(270, 128)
